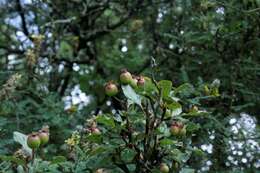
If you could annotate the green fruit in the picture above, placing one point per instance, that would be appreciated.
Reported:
(44, 137)
(194, 109)
(95, 131)
(134, 82)
(100, 171)
(206, 90)
(183, 131)
(33, 141)
(125, 77)
(178, 11)
(164, 168)
(111, 89)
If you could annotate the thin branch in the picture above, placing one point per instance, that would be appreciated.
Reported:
(22, 15)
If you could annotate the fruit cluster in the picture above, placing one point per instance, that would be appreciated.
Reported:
(178, 129)
(37, 139)
(126, 78)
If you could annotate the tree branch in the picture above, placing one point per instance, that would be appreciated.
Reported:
(22, 15)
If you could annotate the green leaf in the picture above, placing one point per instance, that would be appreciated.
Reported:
(106, 120)
(176, 108)
(131, 94)
(98, 150)
(180, 156)
(163, 129)
(185, 89)
(58, 159)
(95, 138)
(166, 141)
(165, 86)
(65, 50)
(22, 139)
(192, 127)
(128, 155)
(13, 159)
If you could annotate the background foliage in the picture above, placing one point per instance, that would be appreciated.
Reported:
(55, 57)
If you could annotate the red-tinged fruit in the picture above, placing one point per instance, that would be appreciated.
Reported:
(178, 129)
(125, 77)
(141, 81)
(175, 130)
(95, 131)
(164, 168)
(111, 89)
(33, 141)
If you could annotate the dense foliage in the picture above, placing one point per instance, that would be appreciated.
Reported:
(56, 56)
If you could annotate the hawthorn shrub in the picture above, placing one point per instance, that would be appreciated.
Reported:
(156, 128)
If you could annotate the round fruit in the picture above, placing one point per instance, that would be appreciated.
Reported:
(178, 10)
(178, 129)
(95, 131)
(111, 89)
(100, 171)
(175, 130)
(194, 109)
(141, 81)
(206, 90)
(126, 77)
(33, 141)
(164, 168)
(134, 82)
(183, 131)
(44, 136)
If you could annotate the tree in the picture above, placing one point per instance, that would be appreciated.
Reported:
(52, 50)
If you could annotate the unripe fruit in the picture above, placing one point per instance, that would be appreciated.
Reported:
(125, 77)
(111, 89)
(141, 81)
(183, 131)
(175, 130)
(134, 82)
(33, 141)
(178, 11)
(100, 171)
(194, 109)
(178, 129)
(44, 136)
(164, 168)
(95, 131)
(206, 90)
